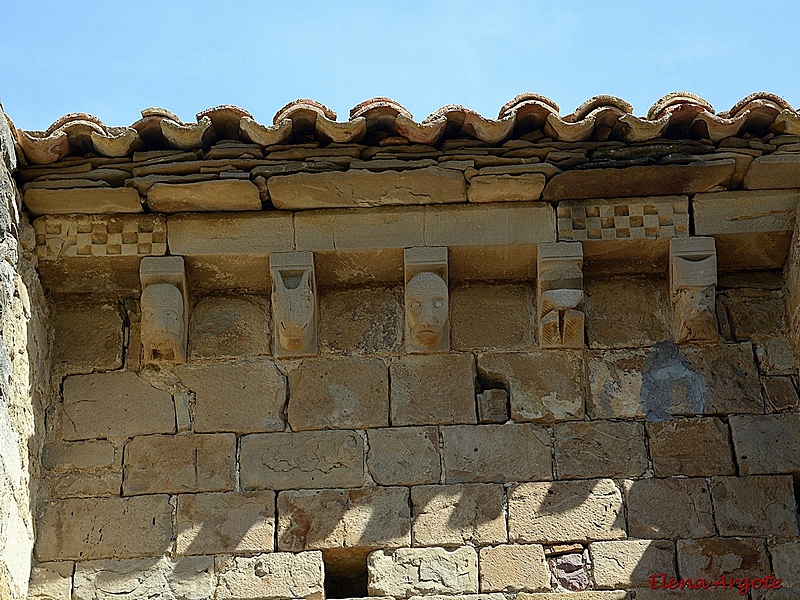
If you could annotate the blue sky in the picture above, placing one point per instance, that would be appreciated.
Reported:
(114, 58)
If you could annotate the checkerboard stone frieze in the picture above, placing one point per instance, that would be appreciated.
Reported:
(645, 218)
(97, 235)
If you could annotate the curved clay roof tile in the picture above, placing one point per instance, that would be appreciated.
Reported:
(333, 131)
(43, 150)
(120, 142)
(677, 99)
(599, 102)
(490, 131)
(761, 98)
(635, 129)
(427, 132)
(225, 119)
(716, 127)
(788, 121)
(157, 111)
(381, 103)
(265, 135)
(524, 98)
(188, 136)
(302, 104)
(72, 118)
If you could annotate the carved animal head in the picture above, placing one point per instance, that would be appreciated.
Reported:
(163, 324)
(293, 307)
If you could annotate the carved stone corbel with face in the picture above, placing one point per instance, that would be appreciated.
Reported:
(427, 302)
(693, 283)
(164, 309)
(294, 303)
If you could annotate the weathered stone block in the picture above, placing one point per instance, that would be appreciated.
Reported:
(570, 566)
(339, 393)
(505, 225)
(694, 447)
(491, 316)
(404, 455)
(786, 562)
(565, 511)
(517, 568)
(180, 463)
(274, 576)
(367, 517)
(525, 187)
(226, 194)
(86, 337)
(626, 312)
(225, 233)
(229, 327)
(434, 389)
(458, 515)
(630, 563)
(360, 229)
(102, 200)
(81, 485)
(237, 523)
(51, 581)
(361, 321)
(311, 459)
(661, 180)
(245, 397)
(93, 454)
(732, 557)
(767, 444)
(615, 384)
(364, 188)
(776, 171)
(165, 578)
(85, 529)
(492, 406)
(496, 453)
(114, 404)
(781, 394)
(669, 508)
(585, 449)
(755, 506)
(409, 571)
(544, 386)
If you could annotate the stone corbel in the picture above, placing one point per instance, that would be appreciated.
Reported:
(294, 303)
(559, 294)
(427, 301)
(693, 283)
(165, 309)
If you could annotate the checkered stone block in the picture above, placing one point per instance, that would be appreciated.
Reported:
(98, 235)
(623, 218)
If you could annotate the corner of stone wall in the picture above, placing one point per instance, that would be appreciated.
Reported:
(24, 377)
(791, 278)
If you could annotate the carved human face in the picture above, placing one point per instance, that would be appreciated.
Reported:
(695, 310)
(162, 323)
(426, 308)
(294, 311)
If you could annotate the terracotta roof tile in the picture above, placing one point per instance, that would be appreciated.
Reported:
(601, 118)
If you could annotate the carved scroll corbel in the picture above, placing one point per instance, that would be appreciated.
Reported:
(165, 309)
(427, 301)
(693, 284)
(294, 303)
(559, 293)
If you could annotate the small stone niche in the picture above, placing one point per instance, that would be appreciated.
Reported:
(346, 572)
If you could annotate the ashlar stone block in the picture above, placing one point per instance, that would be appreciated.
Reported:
(496, 453)
(103, 405)
(404, 455)
(732, 557)
(615, 383)
(565, 511)
(669, 508)
(514, 568)
(87, 337)
(94, 528)
(786, 562)
(226, 194)
(437, 389)
(693, 447)
(406, 572)
(458, 515)
(306, 459)
(629, 563)
(585, 449)
(229, 327)
(366, 518)
(491, 317)
(544, 386)
(275, 576)
(767, 444)
(339, 393)
(190, 578)
(525, 187)
(361, 321)
(220, 523)
(51, 581)
(245, 397)
(759, 505)
(181, 463)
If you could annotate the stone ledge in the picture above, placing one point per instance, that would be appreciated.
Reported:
(82, 200)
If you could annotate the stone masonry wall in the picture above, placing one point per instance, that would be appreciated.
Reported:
(497, 467)
(24, 378)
